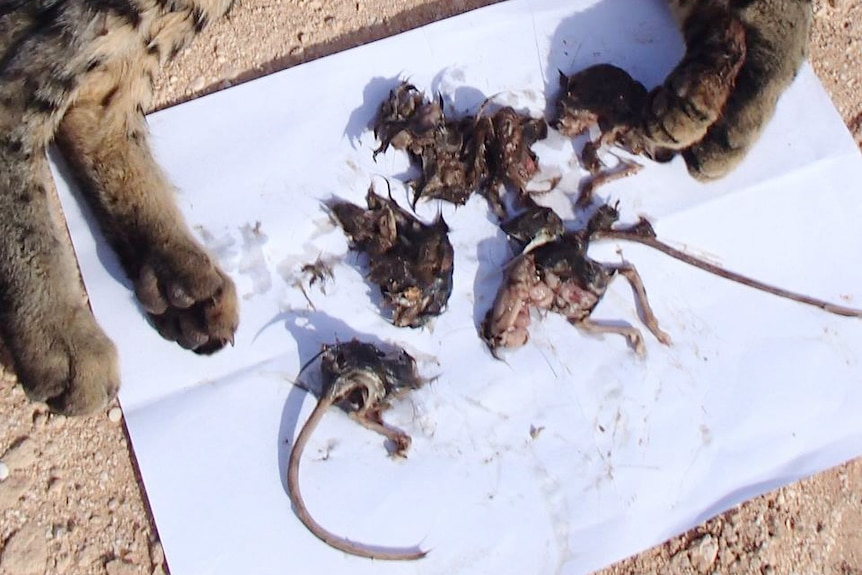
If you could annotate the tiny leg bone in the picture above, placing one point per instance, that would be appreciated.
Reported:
(632, 334)
(371, 420)
(645, 312)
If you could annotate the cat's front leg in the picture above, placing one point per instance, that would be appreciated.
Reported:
(59, 353)
(740, 57)
(777, 45)
(681, 110)
(103, 135)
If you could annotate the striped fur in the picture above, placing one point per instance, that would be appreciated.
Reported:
(81, 72)
(740, 57)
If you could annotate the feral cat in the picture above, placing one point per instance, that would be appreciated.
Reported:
(80, 73)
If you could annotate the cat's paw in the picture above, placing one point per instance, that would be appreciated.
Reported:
(717, 155)
(740, 57)
(188, 299)
(69, 363)
(680, 111)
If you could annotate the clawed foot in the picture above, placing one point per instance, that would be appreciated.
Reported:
(398, 444)
(633, 335)
(69, 364)
(694, 95)
(188, 299)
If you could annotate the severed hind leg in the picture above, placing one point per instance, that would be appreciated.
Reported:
(645, 312)
(370, 419)
(632, 334)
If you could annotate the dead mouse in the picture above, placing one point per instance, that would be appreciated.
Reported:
(606, 96)
(362, 380)
(406, 120)
(557, 275)
(460, 156)
(506, 138)
(447, 151)
(412, 262)
(534, 225)
(554, 273)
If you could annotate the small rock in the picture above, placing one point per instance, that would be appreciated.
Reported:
(157, 553)
(25, 552)
(13, 490)
(64, 563)
(54, 485)
(4, 471)
(702, 553)
(88, 556)
(230, 72)
(115, 415)
(679, 563)
(23, 453)
(198, 84)
(59, 530)
(120, 567)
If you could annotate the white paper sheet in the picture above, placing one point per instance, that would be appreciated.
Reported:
(754, 393)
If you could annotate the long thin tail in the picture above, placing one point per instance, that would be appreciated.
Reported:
(318, 530)
(680, 255)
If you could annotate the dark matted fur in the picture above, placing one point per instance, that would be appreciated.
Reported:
(80, 72)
